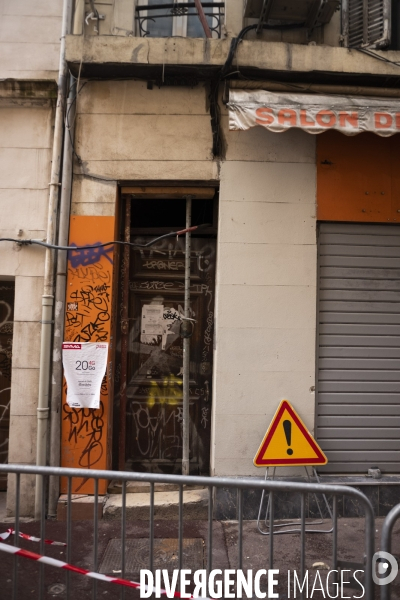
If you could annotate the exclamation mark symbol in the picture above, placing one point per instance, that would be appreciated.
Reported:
(287, 427)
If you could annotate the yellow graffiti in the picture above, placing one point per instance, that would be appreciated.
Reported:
(167, 392)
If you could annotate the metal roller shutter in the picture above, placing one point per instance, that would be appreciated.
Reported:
(358, 347)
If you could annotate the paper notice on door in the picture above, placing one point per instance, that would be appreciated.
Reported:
(84, 365)
(152, 323)
(170, 316)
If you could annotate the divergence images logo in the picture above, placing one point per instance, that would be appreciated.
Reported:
(384, 568)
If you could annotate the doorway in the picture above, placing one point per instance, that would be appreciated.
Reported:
(152, 376)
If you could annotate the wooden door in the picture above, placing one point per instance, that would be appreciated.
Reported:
(155, 356)
(6, 336)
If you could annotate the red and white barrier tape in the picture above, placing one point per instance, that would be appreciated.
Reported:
(6, 535)
(53, 562)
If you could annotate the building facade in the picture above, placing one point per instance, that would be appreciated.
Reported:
(294, 273)
(29, 62)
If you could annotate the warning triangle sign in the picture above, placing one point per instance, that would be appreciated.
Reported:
(287, 442)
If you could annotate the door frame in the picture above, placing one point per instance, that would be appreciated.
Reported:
(170, 190)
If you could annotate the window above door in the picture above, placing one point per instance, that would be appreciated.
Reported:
(168, 18)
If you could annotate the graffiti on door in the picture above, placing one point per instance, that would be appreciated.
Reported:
(155, 371)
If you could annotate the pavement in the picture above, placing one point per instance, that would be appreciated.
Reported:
(225, 554)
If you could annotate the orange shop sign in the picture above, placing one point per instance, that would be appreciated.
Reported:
(313, 113)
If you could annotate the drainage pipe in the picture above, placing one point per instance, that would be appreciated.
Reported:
(186, 344)
(48, 288)
(59, 312)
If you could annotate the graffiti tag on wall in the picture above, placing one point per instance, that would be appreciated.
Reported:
(88, 319)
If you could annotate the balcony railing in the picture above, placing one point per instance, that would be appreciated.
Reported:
(178, 19)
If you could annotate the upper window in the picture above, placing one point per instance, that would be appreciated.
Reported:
(168, 18)
(366, 23)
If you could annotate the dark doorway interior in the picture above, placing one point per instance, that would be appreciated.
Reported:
(154, 345)
(153, 214)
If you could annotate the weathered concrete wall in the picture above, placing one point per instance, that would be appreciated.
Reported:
(30, 38)
(266, 283)
(25, 154)
(273, 56)
(266, 291)
(29, 50)
(332, 30)
(124, 18)
(234, 17)
(127, 132)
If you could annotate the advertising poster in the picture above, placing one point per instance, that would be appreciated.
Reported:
(85, 365)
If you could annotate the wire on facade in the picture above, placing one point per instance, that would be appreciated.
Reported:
(215, 111)
(94, 246)
(236, 41)
(224, 73)
(377, 56)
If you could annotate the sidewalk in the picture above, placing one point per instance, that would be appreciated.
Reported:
(225, 552)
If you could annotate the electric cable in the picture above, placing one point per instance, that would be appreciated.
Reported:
(225, 72)
(103, 245)
(236, 41)
(213, 96)
(376, 56)
(67, 114)
(94, 9)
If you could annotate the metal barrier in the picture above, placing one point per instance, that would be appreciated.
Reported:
(386, 542)
(213, 485)
(285, 526)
